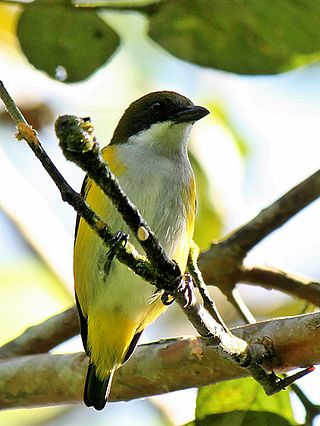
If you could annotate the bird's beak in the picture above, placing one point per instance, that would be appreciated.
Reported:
(191, 114)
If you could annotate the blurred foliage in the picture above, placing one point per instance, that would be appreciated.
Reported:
(244, 37)
(242, 402)
(208, 220)
(38, 115)
(35, 417)
(29, 294)
(222, 118)
(251, 37)
(68, 44)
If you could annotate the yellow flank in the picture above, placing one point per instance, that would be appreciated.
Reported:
(87, 244)
(109, 153)
(189, 199)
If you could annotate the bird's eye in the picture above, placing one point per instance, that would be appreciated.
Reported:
(156, 106)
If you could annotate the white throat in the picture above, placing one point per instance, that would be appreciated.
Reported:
(167, 138)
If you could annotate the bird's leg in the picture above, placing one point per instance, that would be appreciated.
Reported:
(119, 240)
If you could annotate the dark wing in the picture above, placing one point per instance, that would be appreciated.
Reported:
(83, 319)
(132, 346)
(83, 326)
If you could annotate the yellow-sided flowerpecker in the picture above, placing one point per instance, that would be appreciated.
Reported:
(148, 155)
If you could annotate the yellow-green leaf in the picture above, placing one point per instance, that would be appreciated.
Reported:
(240, 397)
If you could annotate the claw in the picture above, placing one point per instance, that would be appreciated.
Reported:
(166, 298)
(188, 289)
(119, 239)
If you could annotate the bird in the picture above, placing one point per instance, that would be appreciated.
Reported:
(148, 155)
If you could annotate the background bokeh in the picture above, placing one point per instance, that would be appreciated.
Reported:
(261, 138)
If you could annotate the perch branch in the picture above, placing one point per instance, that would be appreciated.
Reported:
(156, 368)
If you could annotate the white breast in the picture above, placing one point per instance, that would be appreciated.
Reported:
(157, 173)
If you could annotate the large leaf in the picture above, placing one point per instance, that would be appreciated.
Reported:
(242, 400)
(67, 43)
(246, 37)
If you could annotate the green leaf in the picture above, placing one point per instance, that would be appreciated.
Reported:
(243, 418)
(67, 43)
(245, 37)
(241, 396)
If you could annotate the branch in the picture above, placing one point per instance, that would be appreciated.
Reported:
(80, 146)
(274, 279)
(42, 337)
(29, 224)
(156, 368)
(127, 254)
(235, 298)
(196, 275)
(222, 264)
(274, 216)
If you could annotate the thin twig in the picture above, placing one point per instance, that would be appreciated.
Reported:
(80, 146)
(238, 303)
(127, 254)
(196, 275)
(222, 264)
(274, 216)
(142, 6)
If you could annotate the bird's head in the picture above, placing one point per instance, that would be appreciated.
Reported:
(159, 118)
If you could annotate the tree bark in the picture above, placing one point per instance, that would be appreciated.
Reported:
(157, 368)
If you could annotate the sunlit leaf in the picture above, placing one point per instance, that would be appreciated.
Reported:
(241, 397)
(67, 43)
(245, 37)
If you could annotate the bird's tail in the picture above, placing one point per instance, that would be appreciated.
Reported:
(96, 391)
